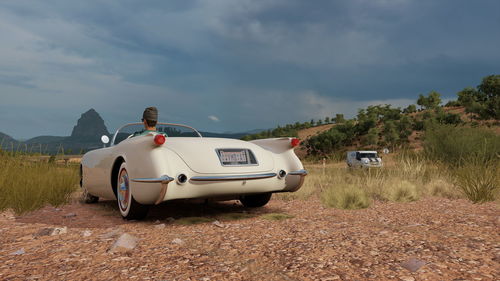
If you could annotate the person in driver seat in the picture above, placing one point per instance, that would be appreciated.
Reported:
(149, 118)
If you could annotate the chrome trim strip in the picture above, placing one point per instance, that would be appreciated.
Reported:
(162, 179)
(234, 178)
(298, 173)
(170, 124)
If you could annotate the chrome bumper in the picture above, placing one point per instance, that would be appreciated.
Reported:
(235, 177)
(298, 173)
(165, 180)
(162, 179)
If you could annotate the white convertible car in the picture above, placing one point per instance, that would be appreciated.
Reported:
(178, 163)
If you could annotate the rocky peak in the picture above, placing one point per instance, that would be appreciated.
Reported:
(90, 126)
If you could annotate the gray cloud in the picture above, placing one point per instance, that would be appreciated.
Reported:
(253, 64)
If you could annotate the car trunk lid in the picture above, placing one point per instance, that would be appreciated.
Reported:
(202, 156)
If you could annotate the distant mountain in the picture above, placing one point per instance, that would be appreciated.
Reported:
(90, 127)
(45, 139)
(7, 141)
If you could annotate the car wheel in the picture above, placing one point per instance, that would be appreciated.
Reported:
(255, 200)
(129, 208)
(86, 196)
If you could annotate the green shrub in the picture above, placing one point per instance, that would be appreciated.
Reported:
(457, 145)
(478, 181)
(347, 197)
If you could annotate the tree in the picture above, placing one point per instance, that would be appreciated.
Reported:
(339, 118)
(391, 135)
(372, 136)
(490, 87)
(404, 127)
(319, 122)
(327, 120)
(483, 101)
(432, 100)
(410, 109)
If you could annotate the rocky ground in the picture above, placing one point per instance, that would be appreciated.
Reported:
(432, 239)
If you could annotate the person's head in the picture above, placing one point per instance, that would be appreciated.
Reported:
(150, 117)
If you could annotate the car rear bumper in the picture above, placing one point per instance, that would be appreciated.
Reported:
(157, 190)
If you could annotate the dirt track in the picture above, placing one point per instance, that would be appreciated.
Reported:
(456, 239)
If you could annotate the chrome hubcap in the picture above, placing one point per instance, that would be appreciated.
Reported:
(123, 190)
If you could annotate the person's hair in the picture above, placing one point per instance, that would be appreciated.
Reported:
(151, 123)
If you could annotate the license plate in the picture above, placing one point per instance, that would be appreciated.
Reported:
(236, 157)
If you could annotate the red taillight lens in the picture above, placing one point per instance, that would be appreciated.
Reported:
(294, 142)
(159, 139)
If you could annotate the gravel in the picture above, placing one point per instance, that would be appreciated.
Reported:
(431, 239)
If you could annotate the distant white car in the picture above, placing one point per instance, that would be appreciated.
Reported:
(363, 159)
(178, 163)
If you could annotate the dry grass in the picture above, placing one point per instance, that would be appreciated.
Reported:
(406, 178)
(479, 181)
(27, 185)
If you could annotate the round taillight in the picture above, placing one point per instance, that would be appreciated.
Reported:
(294, 142)
(159, 139)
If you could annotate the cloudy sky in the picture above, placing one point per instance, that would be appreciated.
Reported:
(233, 65)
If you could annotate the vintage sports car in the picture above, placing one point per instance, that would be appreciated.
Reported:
(176, 162)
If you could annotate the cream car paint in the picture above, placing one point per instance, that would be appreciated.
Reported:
(194, 157)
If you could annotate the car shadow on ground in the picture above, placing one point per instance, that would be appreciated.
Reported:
(105, 213)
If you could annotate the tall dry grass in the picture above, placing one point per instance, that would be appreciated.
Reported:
(27, 185)
(407, 178)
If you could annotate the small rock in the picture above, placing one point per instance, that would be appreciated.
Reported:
(18, 252)
(412, 264)
(218, 224)
(57, 209)
(157, 222)
(44, 232)
(170, 219)
(124, 243)
(160, 226)
(86, 233)
(177, 241)
(111, 234)
(52, 231)
(407, 278)
(323, 232)
(69, 215)
(59, 230)
(374, 253)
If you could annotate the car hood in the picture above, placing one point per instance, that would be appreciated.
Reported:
(201, 156)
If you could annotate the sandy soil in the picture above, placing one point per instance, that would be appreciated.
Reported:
(454, 240)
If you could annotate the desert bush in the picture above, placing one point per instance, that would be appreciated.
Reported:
(402, 191)
(442, 188)
(27, 185)
(457, 145)
(345, 197)
(479, 181)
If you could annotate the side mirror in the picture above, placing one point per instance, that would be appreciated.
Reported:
(105, 140)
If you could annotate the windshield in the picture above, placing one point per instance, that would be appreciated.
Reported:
(367, 155)
(172, 131)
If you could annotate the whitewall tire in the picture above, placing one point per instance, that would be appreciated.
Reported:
(128, 207)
